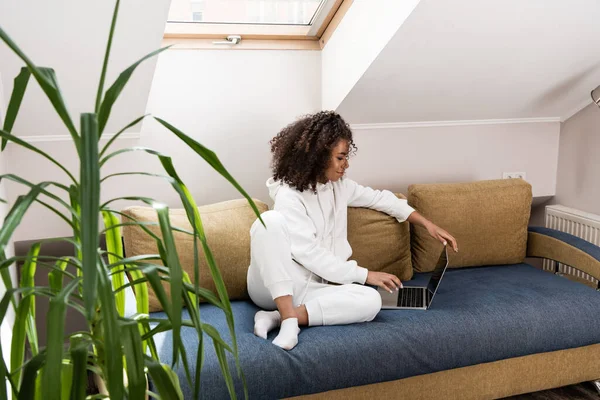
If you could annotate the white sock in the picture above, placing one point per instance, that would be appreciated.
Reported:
(288, 334)
(264, 321)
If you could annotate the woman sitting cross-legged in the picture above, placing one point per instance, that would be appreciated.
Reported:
(305, 245)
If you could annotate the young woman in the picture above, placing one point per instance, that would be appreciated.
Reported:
(305, 246)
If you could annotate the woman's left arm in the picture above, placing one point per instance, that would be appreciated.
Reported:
(385, 201)
(434, 230)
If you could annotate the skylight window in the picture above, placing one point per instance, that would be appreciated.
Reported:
(253, 19)
(262, 12)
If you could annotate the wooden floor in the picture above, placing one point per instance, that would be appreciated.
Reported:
(582, 391)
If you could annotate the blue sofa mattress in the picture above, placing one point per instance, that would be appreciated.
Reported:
(479, 315)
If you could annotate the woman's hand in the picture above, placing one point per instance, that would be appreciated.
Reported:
(384, 280)
(441, 235)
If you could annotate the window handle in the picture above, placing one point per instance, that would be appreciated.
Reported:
(231, 39)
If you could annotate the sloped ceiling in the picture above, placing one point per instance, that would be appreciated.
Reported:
(485, 59)
(71, 36)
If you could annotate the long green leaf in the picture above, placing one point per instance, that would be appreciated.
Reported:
(106, 56)
(79, 355)
(128, 150)
(164, 379)
(154, 280)
(132, 345)
(28, 280)
(193, 296)
(4, 373)
(111, 332)
(73, 191)
(114, 245)
(134, 259)
(15, 215)
(3, 377)
(51, 377)
(45, 192)
(149, 341)
(141, 292)
(216, 336)
(6, 263)
(66, 376)
(25, 317)
(19, 87)
(112, 94)
(55, 277)
(89, 200)
(202, 293)
(147, 200)
(211, 158)
(196, 222)
(172, 262)
(192, 305)
(6, 277)
(199, 367)
(30, 376)
(219, 349)
(116, 135)
(7, 299)
(46, 78)
(6, 136)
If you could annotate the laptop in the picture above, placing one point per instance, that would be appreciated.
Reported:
(416, 297)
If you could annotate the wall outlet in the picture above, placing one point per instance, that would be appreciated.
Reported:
(510, 175)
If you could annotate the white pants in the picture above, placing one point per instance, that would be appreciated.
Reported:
(273, 273)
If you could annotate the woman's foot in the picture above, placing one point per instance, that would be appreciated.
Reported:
(265, 321)
(288, 334)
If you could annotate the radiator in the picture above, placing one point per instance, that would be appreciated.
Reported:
(578, 223)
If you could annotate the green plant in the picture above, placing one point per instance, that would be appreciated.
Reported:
(113, 343)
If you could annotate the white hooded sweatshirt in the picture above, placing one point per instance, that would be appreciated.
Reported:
(318, 224)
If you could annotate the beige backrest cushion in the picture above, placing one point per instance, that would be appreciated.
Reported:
(488, 219)
(379, 242)
(227, 228)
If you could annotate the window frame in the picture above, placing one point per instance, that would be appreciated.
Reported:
(258, 36)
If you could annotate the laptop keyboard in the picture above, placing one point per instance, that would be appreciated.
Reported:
(410, 297)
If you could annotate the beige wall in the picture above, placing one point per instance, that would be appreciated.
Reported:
(396, 157)
(578, 180)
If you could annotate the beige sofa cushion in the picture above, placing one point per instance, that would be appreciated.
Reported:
(488, 219)
(227, 227)
(379, 242)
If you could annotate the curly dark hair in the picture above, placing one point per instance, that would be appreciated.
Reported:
(302, 150)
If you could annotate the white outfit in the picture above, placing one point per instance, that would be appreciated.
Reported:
(305, 245)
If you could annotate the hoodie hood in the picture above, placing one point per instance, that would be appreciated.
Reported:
(273, 187)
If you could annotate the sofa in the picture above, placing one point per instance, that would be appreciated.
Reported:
(498, 326)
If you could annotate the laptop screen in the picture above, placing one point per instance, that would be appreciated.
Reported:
(434, 281)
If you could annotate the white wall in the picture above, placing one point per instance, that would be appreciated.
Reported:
(236, 111)
(485, 59)
(8, 322)
(394, 158)
(70, 36)
(578, 183)
(364, 31)
(233, 102)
